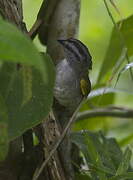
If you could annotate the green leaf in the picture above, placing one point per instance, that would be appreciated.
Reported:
(113, 151)
(118, 42)
(101, 96)
(17, 47)
(125, 162)
(125, 176)
(38, 102)
(105, 90)
(103, 156)
(127, 140)
(82, 177)
(95, 152)
(128, 175)
(28, 90)
(98, 98)
(3, 129)
(92, 150)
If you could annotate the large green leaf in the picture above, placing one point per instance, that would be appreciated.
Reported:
(28, 102)
(118, 42)
(28, 89)
(17, 47)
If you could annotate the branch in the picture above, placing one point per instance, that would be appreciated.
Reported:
(45, 13)
(113, 111)
(72, 119)
(59, 20)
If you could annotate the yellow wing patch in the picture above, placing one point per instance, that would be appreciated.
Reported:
(85, 87)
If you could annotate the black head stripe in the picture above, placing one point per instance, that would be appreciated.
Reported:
(71, 48)
(82, 49)
(79, 50)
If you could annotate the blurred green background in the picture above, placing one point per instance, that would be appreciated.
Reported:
(95, 31)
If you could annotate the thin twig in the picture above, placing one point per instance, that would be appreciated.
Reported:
(34, 30)
(124, 46)
(38, 171)
(117, 10)
(120, 34)
(43, 17)
(40, 18)
(111, 111)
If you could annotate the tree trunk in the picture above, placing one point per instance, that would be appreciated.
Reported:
(63, 23)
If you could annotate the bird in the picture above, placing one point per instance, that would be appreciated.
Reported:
(72, 83)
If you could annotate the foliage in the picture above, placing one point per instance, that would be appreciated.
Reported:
(27, 80)
(121, 39)
(27, 89)
(103, 158)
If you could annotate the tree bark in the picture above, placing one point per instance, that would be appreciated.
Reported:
(62, 24)
(11, 10)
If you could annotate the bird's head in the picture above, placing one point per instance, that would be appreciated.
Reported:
(76, 53)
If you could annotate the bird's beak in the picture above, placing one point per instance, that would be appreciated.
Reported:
(61, 41)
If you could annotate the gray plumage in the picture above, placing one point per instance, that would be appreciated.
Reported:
(70, 71)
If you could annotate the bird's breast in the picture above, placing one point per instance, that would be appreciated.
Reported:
(67, 85)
